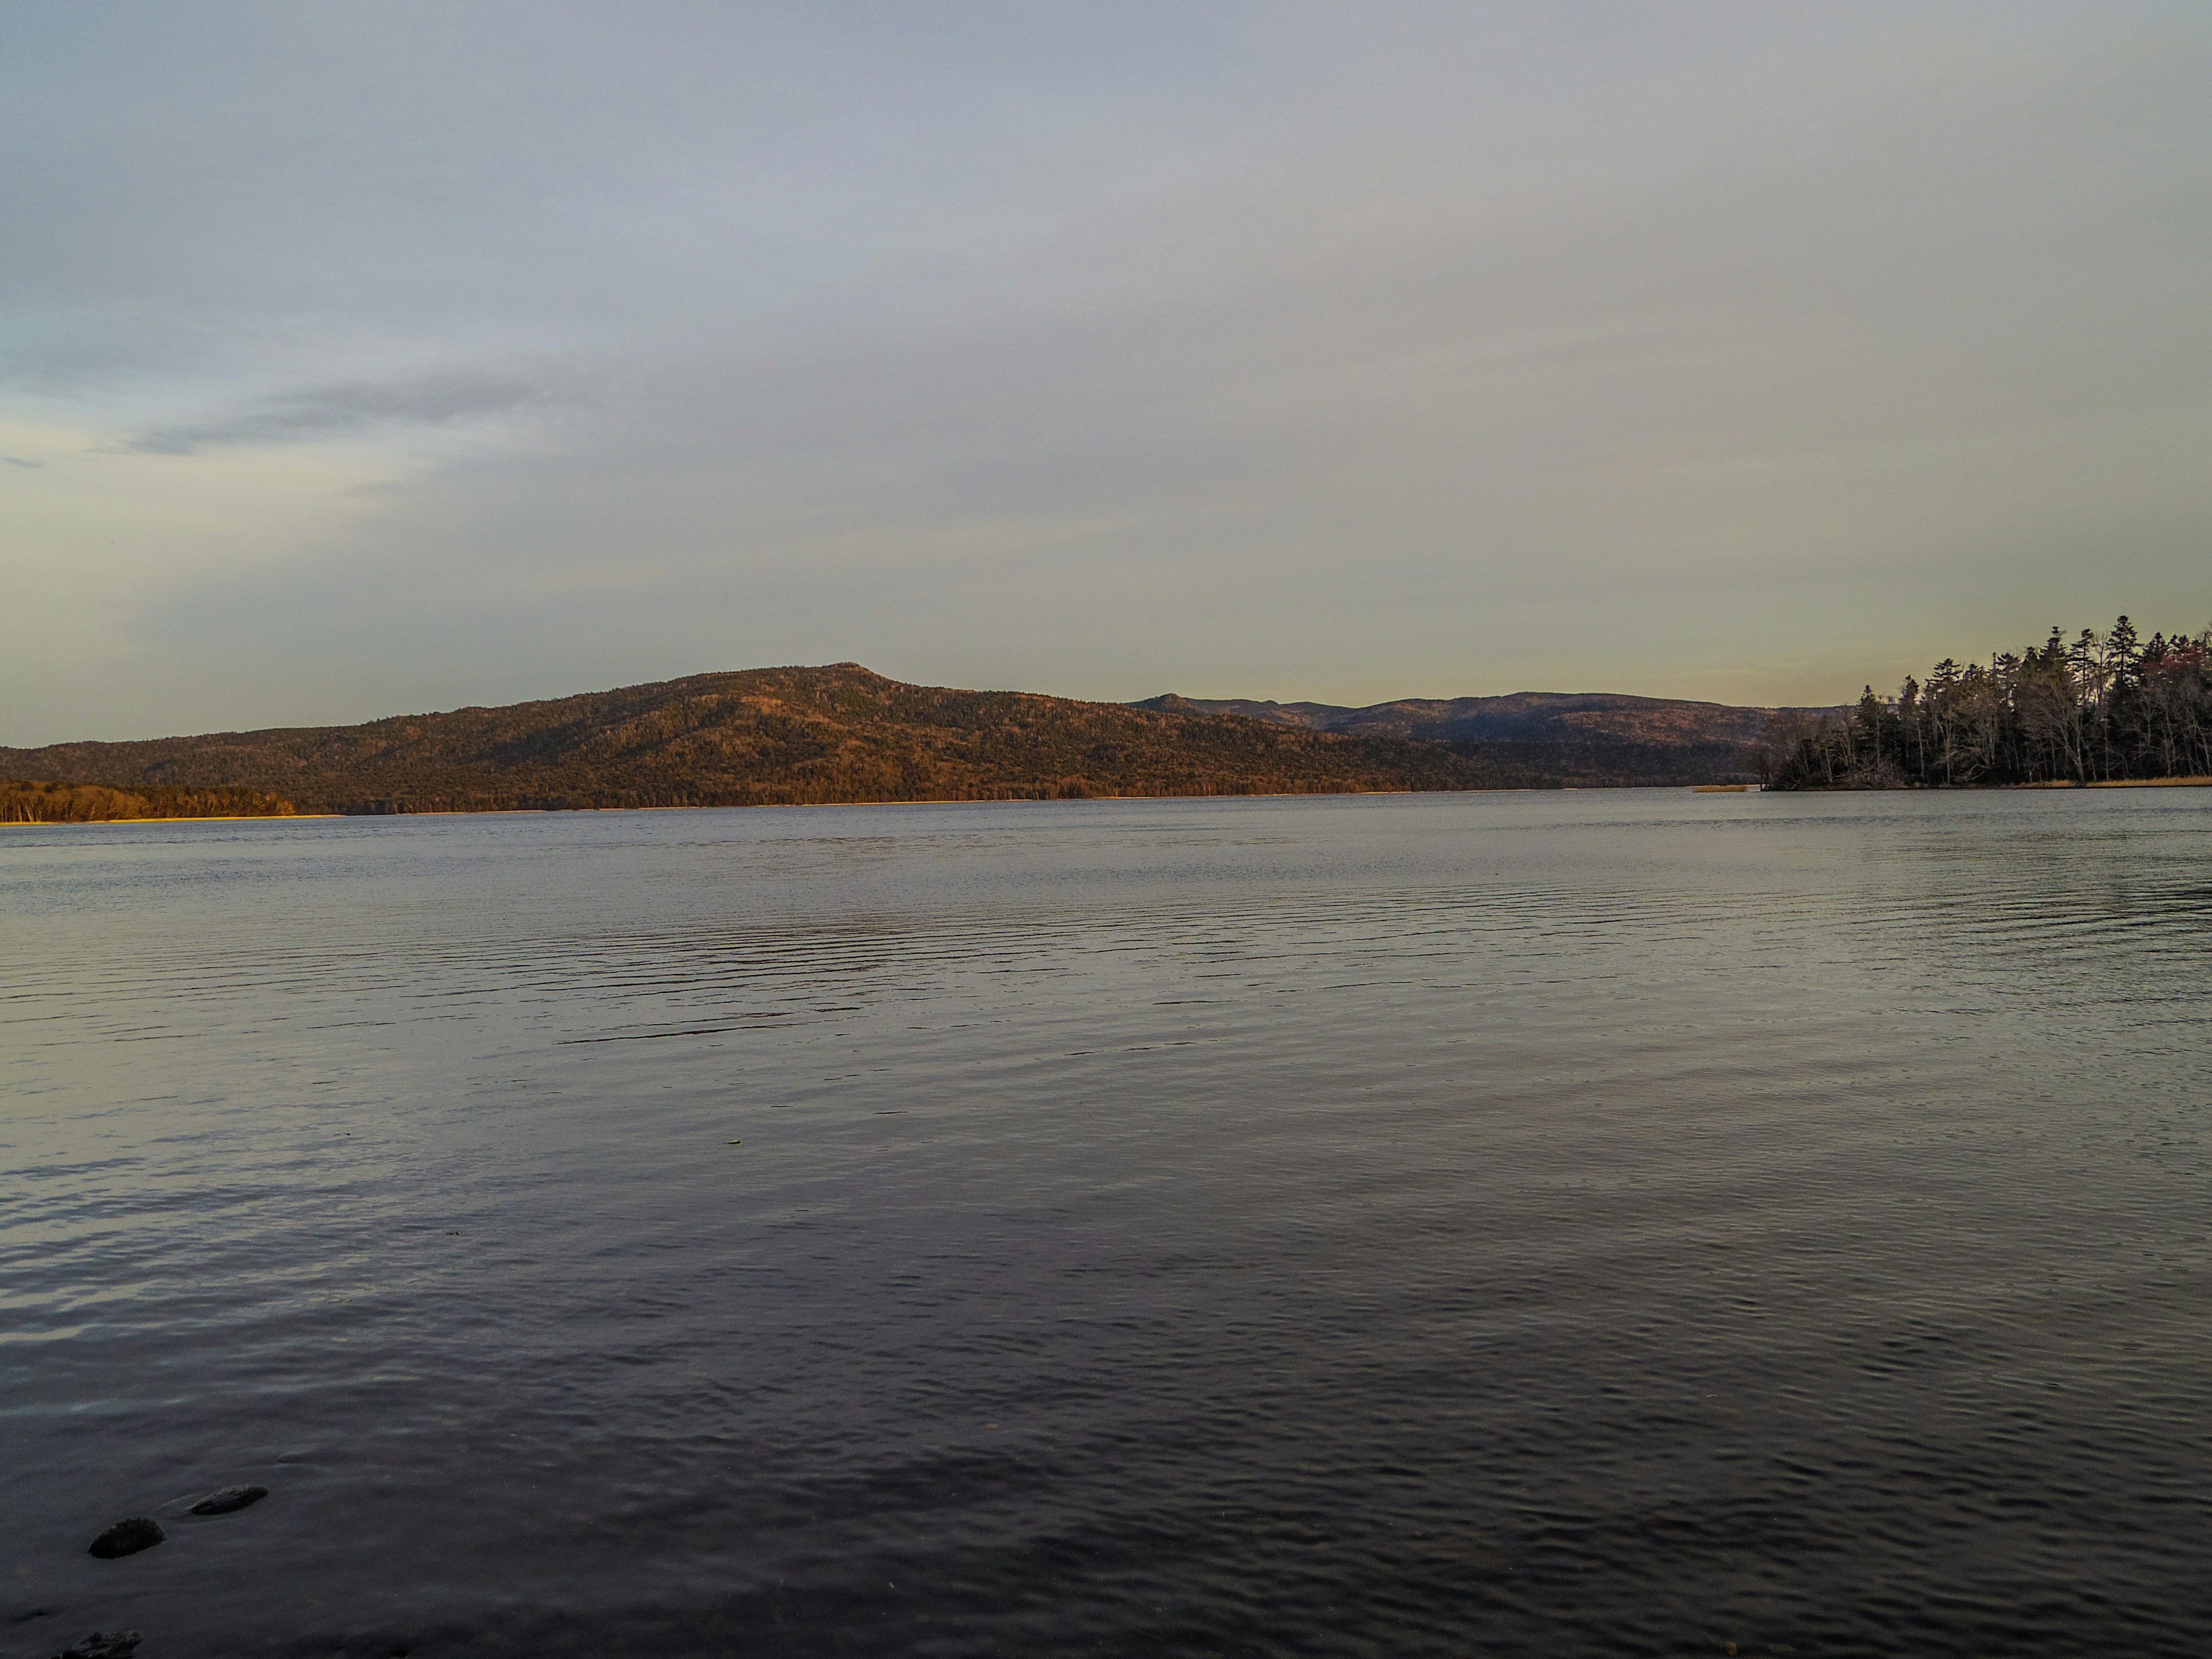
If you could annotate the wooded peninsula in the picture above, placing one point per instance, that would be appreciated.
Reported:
(2105, 707)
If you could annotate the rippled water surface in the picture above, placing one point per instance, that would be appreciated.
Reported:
(1608, 1223)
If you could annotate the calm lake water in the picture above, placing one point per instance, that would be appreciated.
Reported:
(1623, 1222)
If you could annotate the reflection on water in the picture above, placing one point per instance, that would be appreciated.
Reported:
(1628, 1222)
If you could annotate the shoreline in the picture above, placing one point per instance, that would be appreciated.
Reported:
(210, 817)
(971, 800)
(1965, 788)
(2192, 782)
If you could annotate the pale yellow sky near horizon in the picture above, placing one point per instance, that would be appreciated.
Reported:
(352, 366)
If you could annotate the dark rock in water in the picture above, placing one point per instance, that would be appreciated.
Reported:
(229, 1498)
(127, 1538)
(97, 1646)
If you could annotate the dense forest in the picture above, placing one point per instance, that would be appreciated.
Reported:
(2103, 706)
(25, 802)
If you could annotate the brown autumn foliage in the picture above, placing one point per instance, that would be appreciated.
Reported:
(34, 802)
(793, 736)
(817, 735)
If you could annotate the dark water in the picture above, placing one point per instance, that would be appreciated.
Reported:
(1613, 1223)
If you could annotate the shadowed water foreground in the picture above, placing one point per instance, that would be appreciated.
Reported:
(1618, 1222)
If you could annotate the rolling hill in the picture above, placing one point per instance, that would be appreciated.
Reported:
(765, 737)
(843, 733)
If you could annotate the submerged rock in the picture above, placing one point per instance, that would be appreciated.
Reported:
(127, 1538)
(228, 1499)
(117, 1645)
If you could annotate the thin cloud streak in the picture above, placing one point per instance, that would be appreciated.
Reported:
(340, 411)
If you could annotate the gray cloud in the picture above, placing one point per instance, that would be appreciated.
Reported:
(325, 412)
(17, 460)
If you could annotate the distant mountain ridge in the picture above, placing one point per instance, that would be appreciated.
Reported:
(1520, 716)
(844, 733)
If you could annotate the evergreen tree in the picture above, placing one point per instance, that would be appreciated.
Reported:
(2100, 708)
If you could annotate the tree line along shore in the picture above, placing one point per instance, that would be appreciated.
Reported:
(2107, 707)
(32, 801)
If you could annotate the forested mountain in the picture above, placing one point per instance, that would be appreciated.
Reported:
(2101, 707)
(782, 735)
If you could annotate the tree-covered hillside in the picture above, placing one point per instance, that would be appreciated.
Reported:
(774, 736)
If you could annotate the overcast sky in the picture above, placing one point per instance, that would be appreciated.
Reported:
(368, 359)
